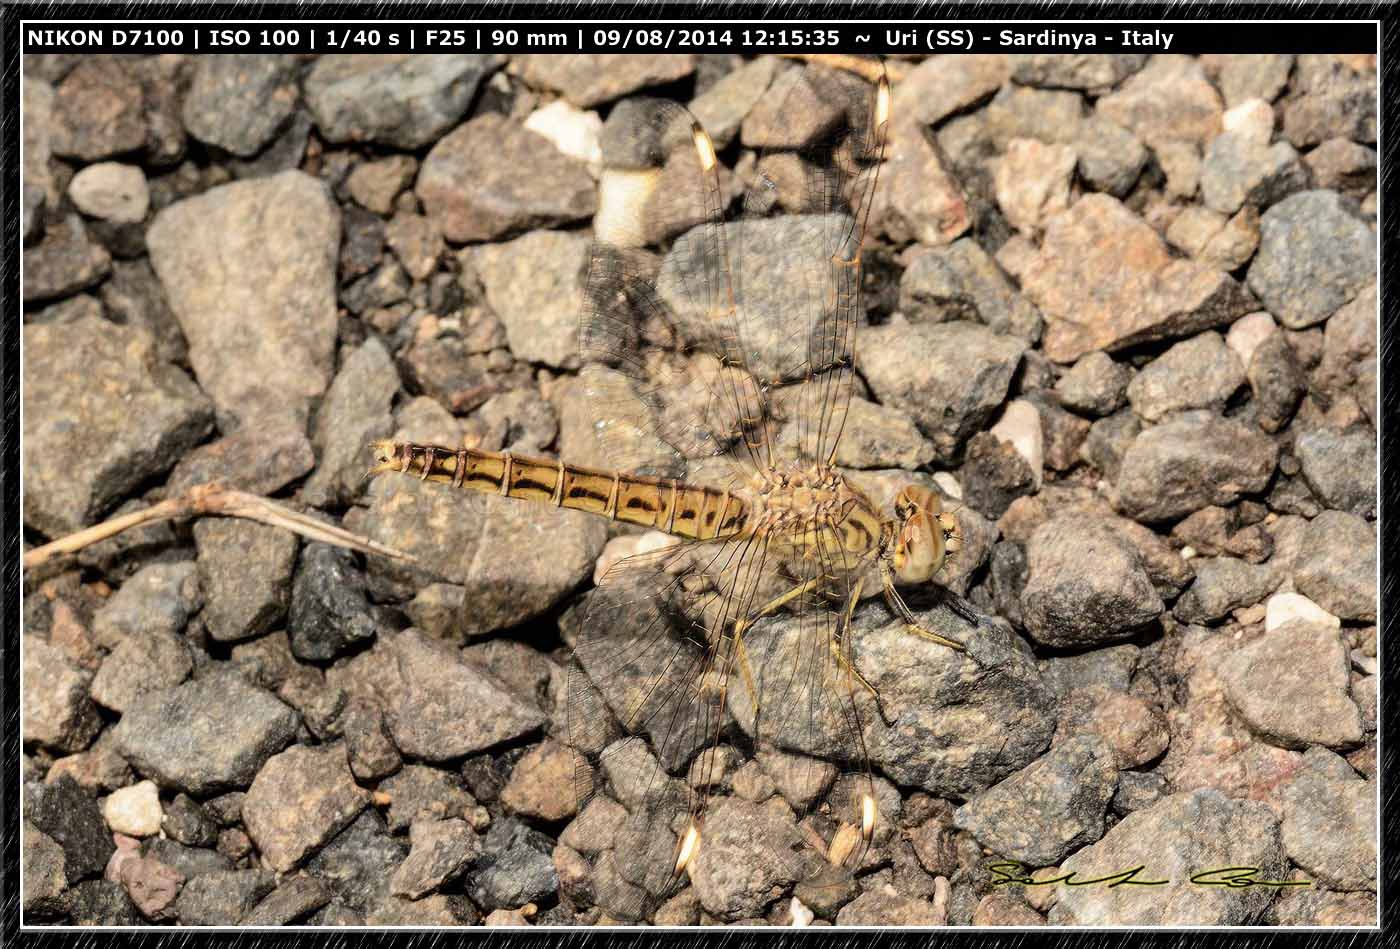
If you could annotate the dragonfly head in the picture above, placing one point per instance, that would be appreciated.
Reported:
(927, 535)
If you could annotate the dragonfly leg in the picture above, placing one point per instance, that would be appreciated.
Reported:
(741, 626)
(901, 609)
(844, 663)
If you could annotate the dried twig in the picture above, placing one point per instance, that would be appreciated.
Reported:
(212, 499)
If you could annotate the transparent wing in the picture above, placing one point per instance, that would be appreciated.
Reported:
(647, 696)
(693, 320)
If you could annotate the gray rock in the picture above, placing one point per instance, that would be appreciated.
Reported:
(300, 799)
(1332, 101)
(329, 610)
(294, 899)
(988, 714)
(1138, 790)
(207, 735)
(885, 906)
(961, 281)
(65, 262)
(354, 413)
(799, 108)
(111, 192)
(1336, 565)
(1086, 585)
(514, 868)
(186, 821)
(1048, 809)
(1173, 839)
(240, 103)
(1243, 77)
(97, 392)
(371, 753)
(140, 664)
(70, 816)
(157, 600)
(1111, 667)
(375, 184)
(949, 377)
(99, 111)
(1110, 157)
(223, 897)
(441, 850)
(874, 436)
(1090, 72)
(749, 858)
(480, 182)
(589, 80)
(402, 100)
(41, 860)
(245, 574)
(1314, 256)
(1238, 169)
(1135, 731)
(1191, 461)
(1104, 279)
(783, 274)
(132, 296)
(1017, 111)
(264, 353)
(421, 792)
(1340, 467)
(721, 109)
(260, 459)
(356, 865)
(58, 713)
(447, 707)
(1169, 100)
(533, 284)
(1343, 165)
(994, 474)
(1196, 373)
(1277, 380)
(1291, 687)
(1095, 385)
(98, 903)
(416, 242)
(1108, 441)
(361, 249)
(1223, 584)
(919, 198)
(1329, 829)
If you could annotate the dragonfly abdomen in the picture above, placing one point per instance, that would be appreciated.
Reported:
(686, 510)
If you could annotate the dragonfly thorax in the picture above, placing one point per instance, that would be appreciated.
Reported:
(815, 509)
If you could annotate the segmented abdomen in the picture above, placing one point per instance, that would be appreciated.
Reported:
(665, 505)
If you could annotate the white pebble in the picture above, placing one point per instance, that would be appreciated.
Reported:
(622, 197)
(134, 811)
(1188, 552)
(801, 915)
(572, 130)
(111, 191)
(948, 485)
(1020, 428)
(1286, 607)
(1253, 118)
(1248, 332)
(620, 548)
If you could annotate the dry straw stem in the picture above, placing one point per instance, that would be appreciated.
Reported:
(218, 500)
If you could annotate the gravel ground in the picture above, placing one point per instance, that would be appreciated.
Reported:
(1125, 304)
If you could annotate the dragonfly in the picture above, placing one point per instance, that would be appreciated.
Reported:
(718, 408)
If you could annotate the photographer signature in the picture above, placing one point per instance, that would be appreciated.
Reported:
(1232, 877)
